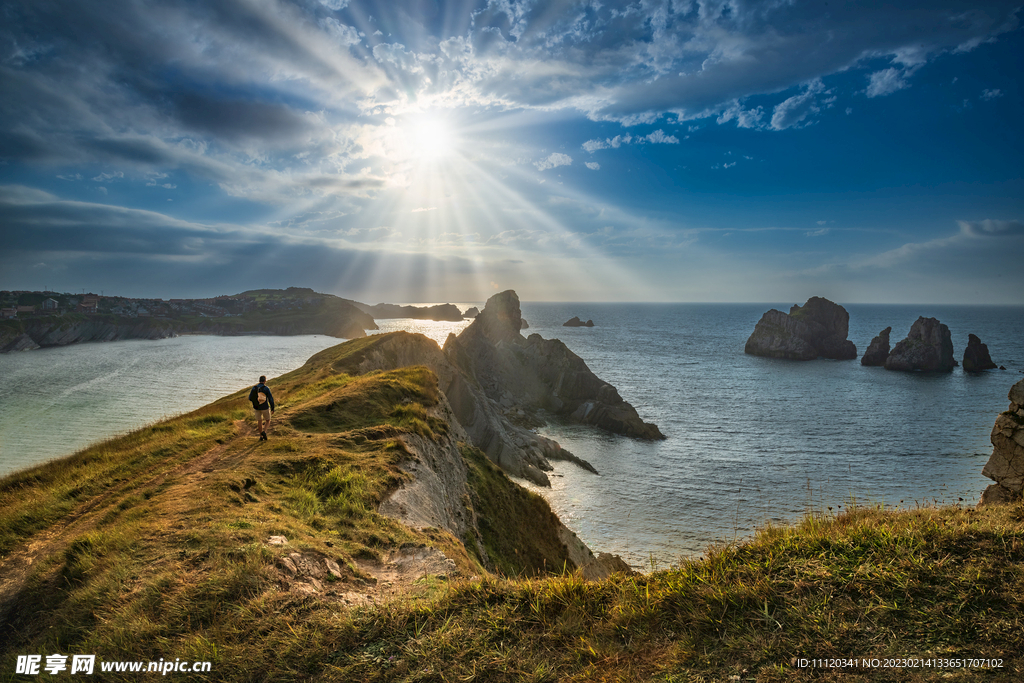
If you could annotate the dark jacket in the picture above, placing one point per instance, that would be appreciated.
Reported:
(253, 399)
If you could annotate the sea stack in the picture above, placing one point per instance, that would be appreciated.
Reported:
(1006, 464)
(817, 329)
(976, 356)
(928, 348)
(471, 312)
(576, 322)
(878, 350)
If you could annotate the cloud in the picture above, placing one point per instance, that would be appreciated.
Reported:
(614, 143)
(991, 228)
(592, 165)
(991, 94)
(555, 160)
(659, 137)
(422, 208)
(886, 82)
(795, 111)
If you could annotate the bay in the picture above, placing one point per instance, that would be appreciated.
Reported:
(750, 440)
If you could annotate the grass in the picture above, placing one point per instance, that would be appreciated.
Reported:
(152, 546)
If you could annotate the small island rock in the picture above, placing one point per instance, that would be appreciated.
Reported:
(878, 350)
(471, 313)
(976, 356)
(576, 322)
(1006, 464)
(524, 325)
(818, 329)
(928, 347)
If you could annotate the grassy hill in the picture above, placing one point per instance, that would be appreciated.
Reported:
(155, 545)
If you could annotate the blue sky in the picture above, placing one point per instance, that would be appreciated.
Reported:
(440, 151)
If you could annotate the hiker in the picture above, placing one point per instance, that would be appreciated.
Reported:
(260, 397)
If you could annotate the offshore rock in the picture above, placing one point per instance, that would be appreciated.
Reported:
(976, 356)
(878, 350)
(471, 313)
(446, 312)
(524, 325)
(1006, 464)
(818, 329)
(537, 373)
(928, 347)
(576, 322)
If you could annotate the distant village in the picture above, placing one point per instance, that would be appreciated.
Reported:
(23, 304)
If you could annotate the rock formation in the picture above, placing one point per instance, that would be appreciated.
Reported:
(538, 374)
(576, 322)
(976, 356)
(525, 325)
(928, 347)
(818, 329)
(471, 313)
(1006, 464)
(878, 350)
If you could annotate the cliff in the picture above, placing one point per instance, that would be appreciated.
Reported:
(328, 316)
(1006, 464)
(818, 329)
(535, 374)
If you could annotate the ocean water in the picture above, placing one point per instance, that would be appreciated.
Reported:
(750, 440)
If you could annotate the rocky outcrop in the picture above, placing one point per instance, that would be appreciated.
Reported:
(928, 348)
(524, 325)
(471, 313)
(448, 312)
(878, 350)
(576, 322)
(1006, 464)
(818, 329)
(976, 356)
(538, 374)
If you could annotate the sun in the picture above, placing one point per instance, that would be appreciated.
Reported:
(431, 139)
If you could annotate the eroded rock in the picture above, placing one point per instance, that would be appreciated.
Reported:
(928, 348)
(1006, 464)
(976, 357)
(818, 329)
(878, 350)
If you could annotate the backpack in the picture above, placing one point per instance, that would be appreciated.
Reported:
(261, 398)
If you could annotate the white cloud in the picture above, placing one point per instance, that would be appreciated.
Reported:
(794, 112)
(615, 142)
(991, 94)
(422, 208)
(334, 4)
(886, 82)
(659, 137)
(103, 177)
(555, 160)
(592, 165)
(991, 228)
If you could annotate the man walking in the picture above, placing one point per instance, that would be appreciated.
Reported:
(263, 403)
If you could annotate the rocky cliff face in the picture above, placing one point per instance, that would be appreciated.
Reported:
(818, 329)
(538, 374)
(1006, 464)
(976, 356)
(878, 350)
(34, 334)
(928, 347)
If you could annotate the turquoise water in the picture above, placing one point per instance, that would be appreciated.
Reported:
(750, 440)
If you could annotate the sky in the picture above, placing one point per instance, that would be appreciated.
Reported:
(432, 151)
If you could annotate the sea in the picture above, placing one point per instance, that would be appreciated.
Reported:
(751, 441)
